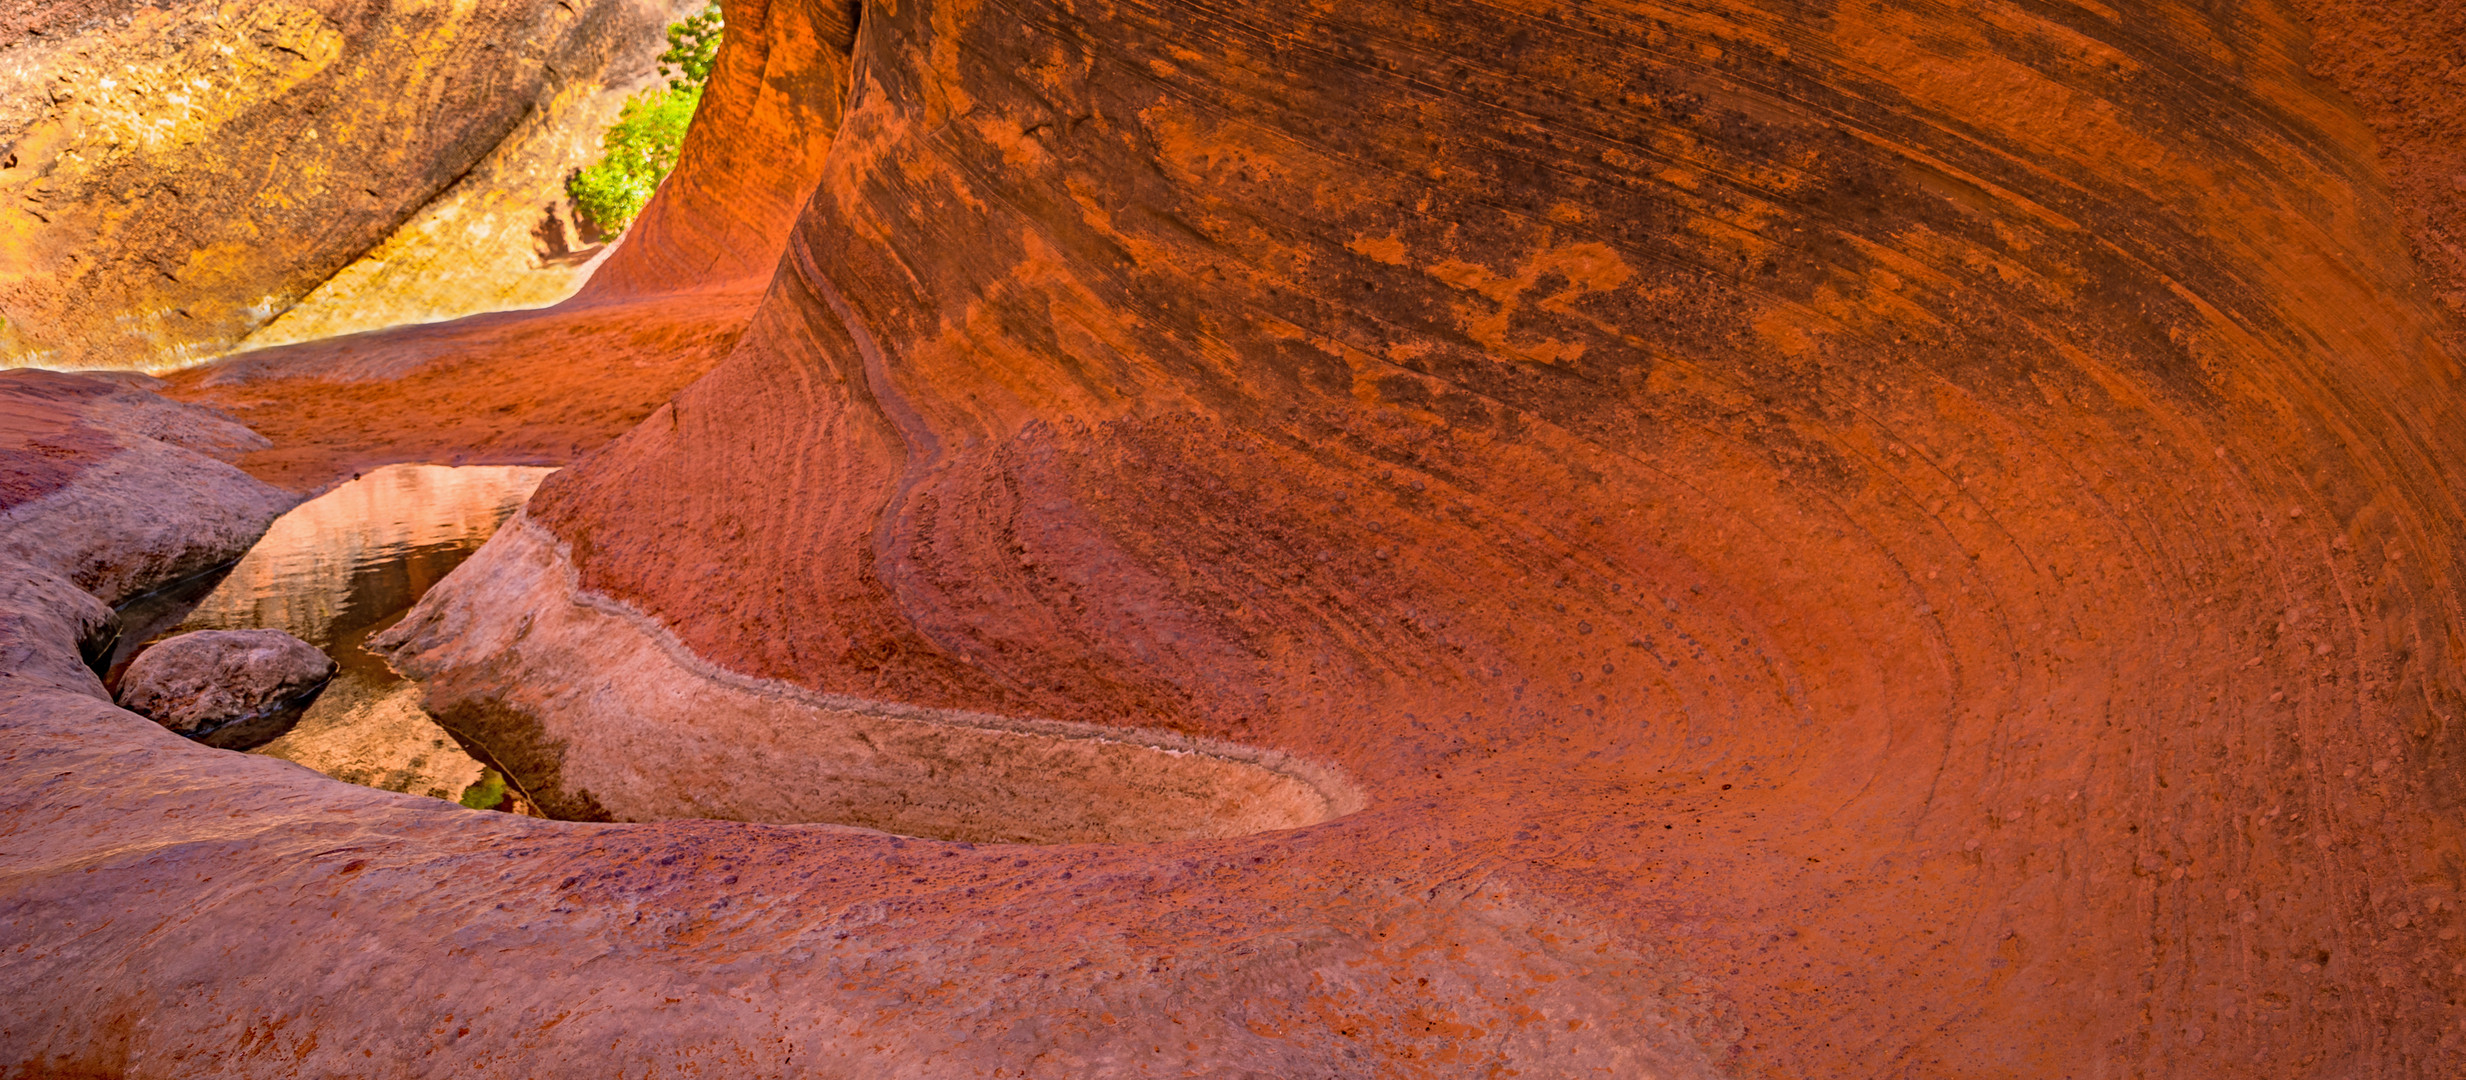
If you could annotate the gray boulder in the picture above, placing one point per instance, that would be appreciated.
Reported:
(232, 689)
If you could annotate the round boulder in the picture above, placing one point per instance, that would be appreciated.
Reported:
(231, 689)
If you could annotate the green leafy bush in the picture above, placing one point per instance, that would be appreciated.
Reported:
(488, 794)
(692, 43)
(641, 147)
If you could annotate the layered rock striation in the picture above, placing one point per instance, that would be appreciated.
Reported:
(1867, 539)
(176, 176)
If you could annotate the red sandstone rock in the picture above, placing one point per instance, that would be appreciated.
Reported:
(119, 489)
(1865, 540)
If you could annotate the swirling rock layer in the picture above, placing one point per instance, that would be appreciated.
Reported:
(1838, 539)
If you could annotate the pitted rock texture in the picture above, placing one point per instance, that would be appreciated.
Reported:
(2401, 63)
(174, 174)
(231, 689)
(1867, 538)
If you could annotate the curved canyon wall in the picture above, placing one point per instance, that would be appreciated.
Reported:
(543, 387)
(768, 114)
(176, 176)
(1944, 514)
(1845, 538)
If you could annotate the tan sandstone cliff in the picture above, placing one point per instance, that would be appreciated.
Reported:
(178, 176)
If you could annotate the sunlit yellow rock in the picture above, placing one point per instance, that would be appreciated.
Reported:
(175, 179)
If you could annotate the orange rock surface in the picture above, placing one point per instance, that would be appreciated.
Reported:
(513, 388)
(1845, 539)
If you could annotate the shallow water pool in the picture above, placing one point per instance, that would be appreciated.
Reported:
(335, 571)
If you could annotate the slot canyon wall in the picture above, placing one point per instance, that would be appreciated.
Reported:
(1913, 459)
(542, 387)
(1842, 538)
(181, 178)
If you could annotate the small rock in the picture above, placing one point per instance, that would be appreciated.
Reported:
(231, 689)
(96, 643)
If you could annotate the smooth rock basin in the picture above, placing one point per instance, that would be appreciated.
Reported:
(654, 732)
(333, 571)
(342, 569)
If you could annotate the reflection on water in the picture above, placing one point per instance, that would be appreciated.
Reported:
(337, 570)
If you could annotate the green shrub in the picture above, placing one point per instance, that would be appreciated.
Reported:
(488, 794)
(692, 43)
(641, 147)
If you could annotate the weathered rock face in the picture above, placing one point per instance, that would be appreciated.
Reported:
(229, 689)
(175, 175)
(119, 489)
(1835, 539)
(1946, 497)
(544, 387)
